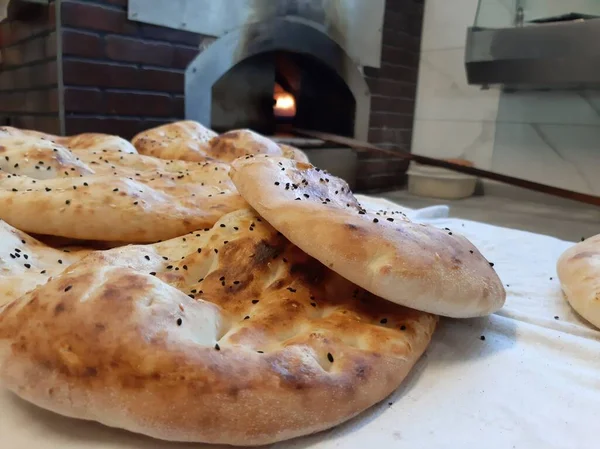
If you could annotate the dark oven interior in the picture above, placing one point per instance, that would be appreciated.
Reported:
(274, 92)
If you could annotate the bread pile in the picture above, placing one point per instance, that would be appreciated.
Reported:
(247, 297)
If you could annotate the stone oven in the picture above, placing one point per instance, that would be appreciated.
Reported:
(347, 67)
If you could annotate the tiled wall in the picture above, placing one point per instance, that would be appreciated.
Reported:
(551, 137)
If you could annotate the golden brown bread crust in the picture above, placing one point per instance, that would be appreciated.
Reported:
(105, 207)
(99, 142)
(190, 141)
(578, 269)
(184, 140)
(412, 264)
(108, 195)
(26, 262)
(268, 345)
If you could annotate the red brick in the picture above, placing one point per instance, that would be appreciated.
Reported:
(170, 35)
(124, 127)
(139, 104)
(48, 124)
(391, 120)
(179, 106)
(99, 74)
(96, 17)
(80, 43)
(399, 56)
(84, 100)
(400, 39)
(161, 80)
(32, 101)
(37, 75)
(121, 48)
(183, 56)
(389, 88)
(386, 104)
(33, 50)
(399, 137)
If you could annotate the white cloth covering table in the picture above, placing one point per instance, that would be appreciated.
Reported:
(527, 377)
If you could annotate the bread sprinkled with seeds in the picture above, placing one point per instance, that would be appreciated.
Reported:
(228, 335)
(416, 265)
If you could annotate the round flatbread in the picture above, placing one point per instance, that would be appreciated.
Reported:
(184, 140)
(578, 269)
(190, 141)
(26, 262)
(231, 336)
(110, 208)
(416, 265)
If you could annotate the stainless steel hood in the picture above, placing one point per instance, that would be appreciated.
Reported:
(560, 53)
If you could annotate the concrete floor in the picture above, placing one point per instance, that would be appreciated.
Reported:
(516, 208)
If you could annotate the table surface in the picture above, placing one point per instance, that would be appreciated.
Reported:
(533, 382)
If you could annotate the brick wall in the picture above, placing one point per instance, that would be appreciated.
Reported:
(393, 91)
(28, 70)
(121, 76)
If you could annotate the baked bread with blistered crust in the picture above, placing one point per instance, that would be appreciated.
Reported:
(190, 141)
(578, 269)
(231, 335)
(111, 208)
(416, 265)
(183, 140)
(26, 262)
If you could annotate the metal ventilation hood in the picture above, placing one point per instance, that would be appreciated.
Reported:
(553, 53)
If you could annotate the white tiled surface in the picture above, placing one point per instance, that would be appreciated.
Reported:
(473, 141)
(445, 23)
(550, 137)
(444, 93)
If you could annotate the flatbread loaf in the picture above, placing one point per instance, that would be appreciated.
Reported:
(230, 336)
(107, 207)
(183, 140)
(190, 141)
(26, 263)
(578, 269)
(416, 265)
(99, 142)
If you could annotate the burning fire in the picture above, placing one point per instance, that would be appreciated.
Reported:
(285, 103)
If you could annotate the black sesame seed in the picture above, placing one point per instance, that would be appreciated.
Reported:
(403, 327)
(313, 304)
(222, 225)
(471, 251)
(383, 321)
(246, 317)
(135, 203)
(293, 290)
(60, 261)
(390, 219)
(306, 195)
(115, 189)
(191, 296)
(276, 183)
(330, 357)
(85, 184)
(255, 301)
(48, 189)
(14, 190)
(179, 321)
(169, 267)
(199, 250)
(491, 264)
(261, 352)
(556, 317)
(69, 287)
(449, 233)
(216, 251)
(17, 250)
(27, 265)
(67, 202)
(153, 273)
(482, 338)
(147, 257)
(43, 272)
(550, 278)
(217, 347)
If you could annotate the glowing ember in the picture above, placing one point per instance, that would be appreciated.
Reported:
(285, 104)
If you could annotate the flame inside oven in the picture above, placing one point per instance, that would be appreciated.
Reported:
(284, 104)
